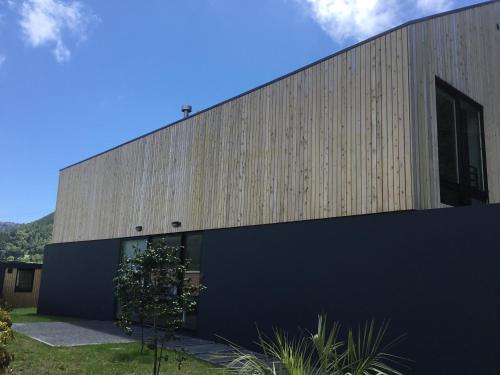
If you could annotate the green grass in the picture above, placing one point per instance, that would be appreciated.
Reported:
(29, 315)
(34, 358)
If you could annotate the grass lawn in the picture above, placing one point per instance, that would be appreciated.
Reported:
(29, 315)
(35, 358)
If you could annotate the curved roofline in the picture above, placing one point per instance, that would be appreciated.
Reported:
(412, 22)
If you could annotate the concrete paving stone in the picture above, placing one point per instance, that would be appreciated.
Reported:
(74, 333)
(208, 348)
(184, 342)
(216, 358)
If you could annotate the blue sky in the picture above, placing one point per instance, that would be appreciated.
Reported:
(79, 77)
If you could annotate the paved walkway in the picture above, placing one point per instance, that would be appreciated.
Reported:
(91, 332)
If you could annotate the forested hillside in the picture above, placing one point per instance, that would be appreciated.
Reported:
(25, 242)
(7, 226)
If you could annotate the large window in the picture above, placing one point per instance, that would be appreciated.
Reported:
(192, 251)
(24, 280)
(189, 245)
(462, 160)
(133, 247)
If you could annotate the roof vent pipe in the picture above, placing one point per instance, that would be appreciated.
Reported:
(186, 109)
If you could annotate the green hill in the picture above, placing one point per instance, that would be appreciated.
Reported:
(25, 242)
(6, 226)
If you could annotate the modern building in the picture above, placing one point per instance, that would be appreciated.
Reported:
(329, 189)
(20, 283)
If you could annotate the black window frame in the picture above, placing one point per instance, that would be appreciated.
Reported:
(17, 288)
(464, 192)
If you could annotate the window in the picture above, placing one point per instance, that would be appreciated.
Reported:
(462, 158)
(24, 280)
(170, 240)
(130, 248)
(193, 250)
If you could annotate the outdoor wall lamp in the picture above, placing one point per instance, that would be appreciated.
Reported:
(176, 224)
(138, 228)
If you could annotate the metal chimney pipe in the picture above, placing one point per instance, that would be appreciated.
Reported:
(186, 109)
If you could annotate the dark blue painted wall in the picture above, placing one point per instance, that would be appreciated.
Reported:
(435, 274)
(77, 279)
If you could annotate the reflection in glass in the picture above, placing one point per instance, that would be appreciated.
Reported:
(132, 248)
(447, 137)
(474, 175)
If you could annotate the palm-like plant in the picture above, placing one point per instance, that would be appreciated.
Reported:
(322, 353)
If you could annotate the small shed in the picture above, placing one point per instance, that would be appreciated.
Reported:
(20, 283)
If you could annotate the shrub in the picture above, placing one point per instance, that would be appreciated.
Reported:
(362, 352)
(6, 336)
(4, 305)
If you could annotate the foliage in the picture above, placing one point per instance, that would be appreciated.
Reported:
(322, 353)
(6, 336)
(25, 242)
(5, 305)
(6, 226)
(151, 287)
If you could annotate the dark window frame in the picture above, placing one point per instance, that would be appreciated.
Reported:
(17, 288)
(465, 193)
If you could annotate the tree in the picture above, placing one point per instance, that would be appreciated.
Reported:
(151, 288)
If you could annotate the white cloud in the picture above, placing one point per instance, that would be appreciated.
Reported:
(359, 19)
(48, 22)
(2, 59)
(433, 6)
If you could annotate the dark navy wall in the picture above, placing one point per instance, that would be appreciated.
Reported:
(435, 274)
(77, 279)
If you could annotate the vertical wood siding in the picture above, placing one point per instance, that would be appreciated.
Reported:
(463, 49)
(21, 299)
(331, 140)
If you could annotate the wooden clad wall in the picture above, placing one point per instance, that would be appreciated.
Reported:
(330, 140)
(21, 299)
(463, 49)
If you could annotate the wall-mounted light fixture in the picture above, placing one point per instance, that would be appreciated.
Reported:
(176, 224)
(138, 228)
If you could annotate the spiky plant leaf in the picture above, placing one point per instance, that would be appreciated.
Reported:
(365, 354)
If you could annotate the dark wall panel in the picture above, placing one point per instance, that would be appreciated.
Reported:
(78, 279)
(435, 274)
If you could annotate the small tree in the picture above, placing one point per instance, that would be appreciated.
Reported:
(151, 288)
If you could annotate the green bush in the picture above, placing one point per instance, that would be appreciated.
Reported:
(324, 352)
(6, 336)
(4, 305)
